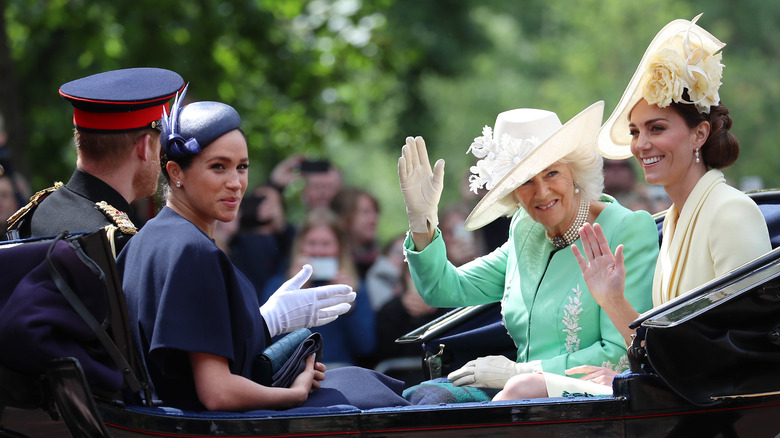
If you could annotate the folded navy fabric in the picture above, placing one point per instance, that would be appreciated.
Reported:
(296, 363)
(280, 363)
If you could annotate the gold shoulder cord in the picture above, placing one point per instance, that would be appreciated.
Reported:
(121, 223)
(119, 218)
(110, 232)
(35, 199)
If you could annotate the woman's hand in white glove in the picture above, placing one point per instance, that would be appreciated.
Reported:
(491, 372)
(420, 185)
(291, 307)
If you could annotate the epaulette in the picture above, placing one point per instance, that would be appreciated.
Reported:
(35, 199)
(118, 217)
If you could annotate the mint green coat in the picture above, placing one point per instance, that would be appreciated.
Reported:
(545, 303)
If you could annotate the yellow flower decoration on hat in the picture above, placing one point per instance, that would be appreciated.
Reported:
(683, 65)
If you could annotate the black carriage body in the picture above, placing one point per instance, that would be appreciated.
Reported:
(671, 401)
(656, 414)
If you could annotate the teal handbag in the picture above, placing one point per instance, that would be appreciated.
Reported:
(279, 364)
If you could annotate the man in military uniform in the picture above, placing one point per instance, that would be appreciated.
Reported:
(117, 136)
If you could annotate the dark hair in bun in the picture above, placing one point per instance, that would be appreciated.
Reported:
(721, 149)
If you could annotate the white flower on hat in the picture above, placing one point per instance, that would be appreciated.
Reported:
(497, 157)
(675, 68)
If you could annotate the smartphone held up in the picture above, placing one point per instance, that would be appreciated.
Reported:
(323, 268)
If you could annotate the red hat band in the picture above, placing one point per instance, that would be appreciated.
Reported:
(121, 121)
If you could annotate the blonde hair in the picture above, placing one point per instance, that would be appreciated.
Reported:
(587, 168)
(318, 217)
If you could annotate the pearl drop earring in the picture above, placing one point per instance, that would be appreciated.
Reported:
(576, 187)
(178, 183)
(697, 155)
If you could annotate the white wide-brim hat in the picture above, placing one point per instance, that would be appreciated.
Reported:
(577, 133)
(613, 139)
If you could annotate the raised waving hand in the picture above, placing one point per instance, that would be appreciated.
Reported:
(605, 275)
(421, 186)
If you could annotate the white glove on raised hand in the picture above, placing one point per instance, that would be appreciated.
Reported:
(420, 186)
(491, 372)
(291, 307)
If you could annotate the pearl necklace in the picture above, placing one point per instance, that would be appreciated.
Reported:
(573, 233)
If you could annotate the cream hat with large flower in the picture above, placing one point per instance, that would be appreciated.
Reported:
(525, 142)
(681, 57)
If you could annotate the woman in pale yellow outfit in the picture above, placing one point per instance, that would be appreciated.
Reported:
(671, 119)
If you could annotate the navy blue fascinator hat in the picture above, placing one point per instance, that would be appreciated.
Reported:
(187, 130)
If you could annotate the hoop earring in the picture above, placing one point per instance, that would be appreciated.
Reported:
(697, 155)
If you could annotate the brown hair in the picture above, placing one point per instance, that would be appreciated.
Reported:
(107, 148)
(721, 149)
(345, 205)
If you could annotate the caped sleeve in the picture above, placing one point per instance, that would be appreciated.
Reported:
(194, 313)
(177, 289)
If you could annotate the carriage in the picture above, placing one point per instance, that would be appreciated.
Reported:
(707, 368)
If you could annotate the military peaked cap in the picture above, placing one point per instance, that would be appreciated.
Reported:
(121, 100)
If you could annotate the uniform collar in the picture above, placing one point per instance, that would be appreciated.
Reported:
(96, 190)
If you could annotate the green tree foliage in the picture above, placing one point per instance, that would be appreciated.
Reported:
(331, 79)
(348, 80)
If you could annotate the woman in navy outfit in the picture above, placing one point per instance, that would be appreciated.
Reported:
(194, 316)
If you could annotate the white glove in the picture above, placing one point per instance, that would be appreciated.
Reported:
(291, 307)
(420, 186)
(491, 372)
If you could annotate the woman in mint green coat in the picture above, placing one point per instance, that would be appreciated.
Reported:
(549, 178)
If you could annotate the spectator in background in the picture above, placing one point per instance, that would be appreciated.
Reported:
(21, 185)
(9, 201)
(285, 172)
(402, 314)
(463, 245)
(358, 212)
(493, 234)
(322, 180)
(261, 248)
(321, 244)
(620, 182)
(383, 280)
(619, 178)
